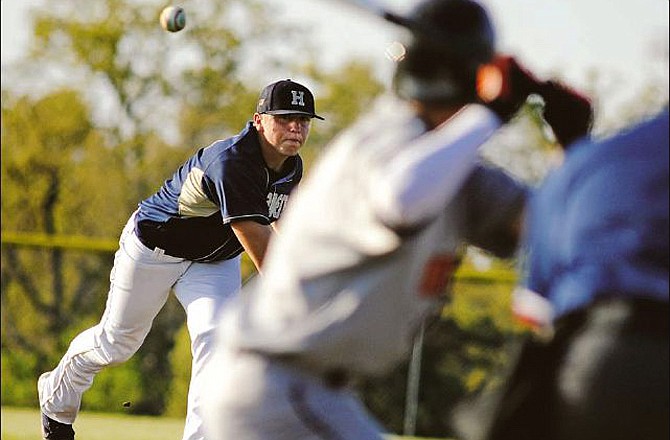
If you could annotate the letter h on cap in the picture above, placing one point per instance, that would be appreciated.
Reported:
(298, 97)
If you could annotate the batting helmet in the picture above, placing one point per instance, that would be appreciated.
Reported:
(449, 40)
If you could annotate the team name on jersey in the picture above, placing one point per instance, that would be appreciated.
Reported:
(276, 203)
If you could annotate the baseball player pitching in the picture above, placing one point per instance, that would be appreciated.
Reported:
(188, 238)
(371, 239)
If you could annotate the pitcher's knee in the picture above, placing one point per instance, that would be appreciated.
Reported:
(120, 346)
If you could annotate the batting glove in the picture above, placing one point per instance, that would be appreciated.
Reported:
(569, 113)
(504, 85)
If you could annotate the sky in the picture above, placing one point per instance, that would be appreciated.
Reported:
(627, 39)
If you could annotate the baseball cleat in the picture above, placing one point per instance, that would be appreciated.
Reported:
(53, 430)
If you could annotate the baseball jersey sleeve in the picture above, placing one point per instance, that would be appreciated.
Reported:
(494, 204)
(423, 177)
(240, 189)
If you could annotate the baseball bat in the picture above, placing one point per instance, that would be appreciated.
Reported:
(369, 6)
(378, 9)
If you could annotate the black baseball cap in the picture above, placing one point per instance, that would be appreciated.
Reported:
(286, 97)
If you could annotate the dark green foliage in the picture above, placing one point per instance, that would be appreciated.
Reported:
(115, 385)
(69, 168)
(180, 362)
(464, 353)
(19, 384)
(154, 367)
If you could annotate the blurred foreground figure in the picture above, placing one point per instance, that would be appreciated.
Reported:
(371, 239)
(597, 285)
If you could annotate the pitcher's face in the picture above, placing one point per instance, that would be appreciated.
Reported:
(285, 133)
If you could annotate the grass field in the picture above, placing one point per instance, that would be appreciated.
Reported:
(23, 424)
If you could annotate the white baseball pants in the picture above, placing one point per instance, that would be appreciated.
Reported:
(253, 397)
(140, 283)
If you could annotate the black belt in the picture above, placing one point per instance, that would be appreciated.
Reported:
(153, 235)
(146, 232)
(188, 242)
(146, 242)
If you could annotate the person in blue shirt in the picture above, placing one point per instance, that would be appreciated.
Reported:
(597, 284)
(187, 238)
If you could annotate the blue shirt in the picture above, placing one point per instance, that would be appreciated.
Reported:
(227, 181)
(598, 226)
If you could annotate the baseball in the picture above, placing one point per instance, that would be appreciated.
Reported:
(395, 51)
(173, 18)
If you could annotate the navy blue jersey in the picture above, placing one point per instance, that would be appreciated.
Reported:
(227, 181)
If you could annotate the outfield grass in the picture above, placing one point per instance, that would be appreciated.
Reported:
(24, 424)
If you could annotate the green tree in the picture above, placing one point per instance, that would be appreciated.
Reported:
(40, 180)
(465, 353)
(116, 50)
(76, 161)
(343, 96)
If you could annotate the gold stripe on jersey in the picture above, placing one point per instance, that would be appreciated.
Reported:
(193, 201)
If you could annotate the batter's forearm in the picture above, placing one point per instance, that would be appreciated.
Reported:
(427, 174)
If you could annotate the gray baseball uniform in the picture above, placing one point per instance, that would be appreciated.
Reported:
(365, 254)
